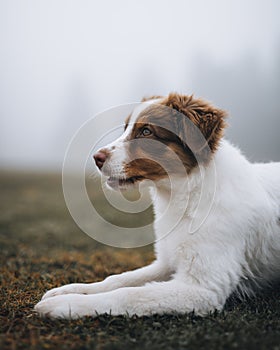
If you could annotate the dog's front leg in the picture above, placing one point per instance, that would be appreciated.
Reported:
(154, 272)
(154, 298)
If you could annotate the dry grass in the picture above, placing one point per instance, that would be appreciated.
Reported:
(42, 248)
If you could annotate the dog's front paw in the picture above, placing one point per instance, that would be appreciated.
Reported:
(74, 288)
(64, 306)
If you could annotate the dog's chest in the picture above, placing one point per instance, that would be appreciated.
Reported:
(176, 247)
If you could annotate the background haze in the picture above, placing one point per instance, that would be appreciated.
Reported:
(61, 62)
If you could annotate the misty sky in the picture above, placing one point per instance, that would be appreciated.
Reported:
(61, 62)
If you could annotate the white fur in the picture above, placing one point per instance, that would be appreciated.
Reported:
(236, 248)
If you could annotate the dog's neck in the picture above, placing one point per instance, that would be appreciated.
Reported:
(184, 198)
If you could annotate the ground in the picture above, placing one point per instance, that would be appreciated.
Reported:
(41, 247)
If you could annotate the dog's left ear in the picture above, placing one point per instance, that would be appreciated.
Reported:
(198, 115)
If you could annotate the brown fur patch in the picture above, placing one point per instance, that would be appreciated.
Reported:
(149, 98)
(126, 122)
(175, 123)
(209, 119)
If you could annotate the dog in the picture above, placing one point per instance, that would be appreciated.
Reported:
(225, 240)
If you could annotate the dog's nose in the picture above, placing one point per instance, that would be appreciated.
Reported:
(100, 158)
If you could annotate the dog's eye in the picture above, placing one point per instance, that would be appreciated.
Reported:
(146, 132)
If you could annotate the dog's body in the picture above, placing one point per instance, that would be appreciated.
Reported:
(225, 241)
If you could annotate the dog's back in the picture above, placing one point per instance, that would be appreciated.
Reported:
(269, 174)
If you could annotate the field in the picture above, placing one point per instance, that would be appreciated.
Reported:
(41, 247)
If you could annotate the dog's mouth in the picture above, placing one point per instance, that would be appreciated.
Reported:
(116, 182)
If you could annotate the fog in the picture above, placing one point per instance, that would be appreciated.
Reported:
(62, 62)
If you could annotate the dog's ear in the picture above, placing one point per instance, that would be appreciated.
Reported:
(196, 114)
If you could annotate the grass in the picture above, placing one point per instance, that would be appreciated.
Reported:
(41, 248)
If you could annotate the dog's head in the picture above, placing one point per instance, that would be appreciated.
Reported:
(162, 136)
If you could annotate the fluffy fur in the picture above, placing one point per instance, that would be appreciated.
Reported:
(235, 246)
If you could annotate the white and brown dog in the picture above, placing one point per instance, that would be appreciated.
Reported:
(235, 247)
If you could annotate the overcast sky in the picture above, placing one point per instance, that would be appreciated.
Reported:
(61, 62)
